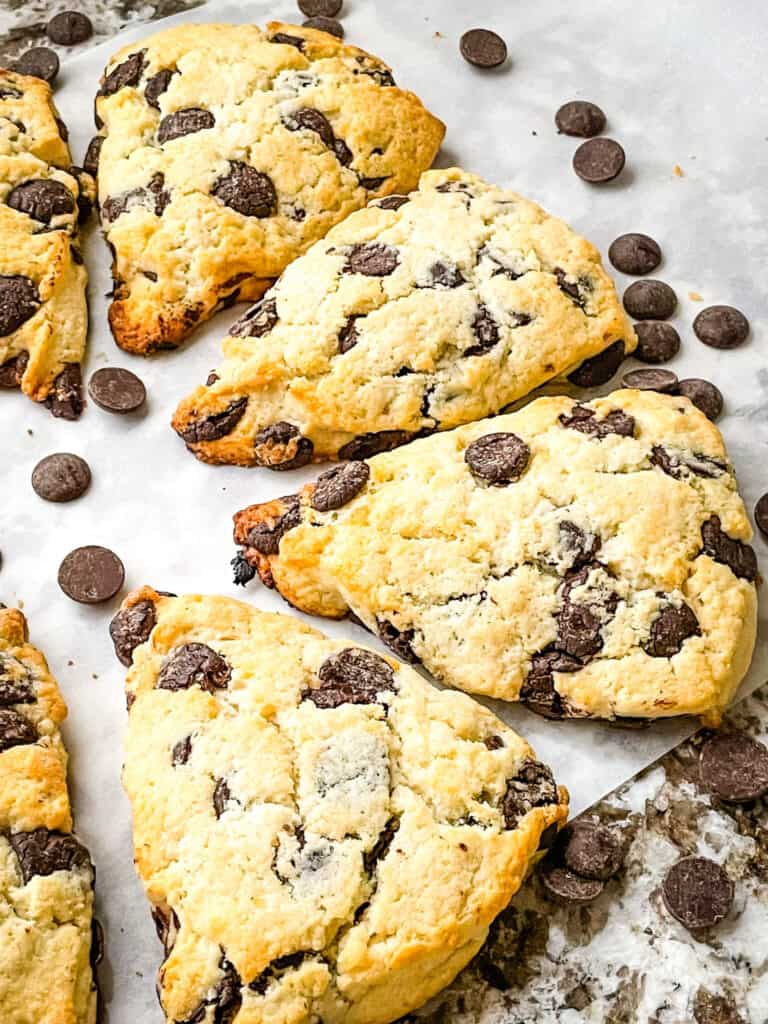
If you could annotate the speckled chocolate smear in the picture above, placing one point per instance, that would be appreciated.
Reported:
(168, 516)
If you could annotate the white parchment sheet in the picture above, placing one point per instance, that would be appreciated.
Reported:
(682, 84)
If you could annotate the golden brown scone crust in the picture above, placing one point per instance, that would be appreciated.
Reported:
(46, 877)
(43, 313)
(290, 130)
(447, 308)
(323, 834)
(610, 577)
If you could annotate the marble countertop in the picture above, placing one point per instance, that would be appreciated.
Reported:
(621, 959)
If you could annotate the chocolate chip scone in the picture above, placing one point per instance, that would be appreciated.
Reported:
(224, 151)
(323, 835)
(43, 312)
(48, 939)
(420, 313)
(585, 559)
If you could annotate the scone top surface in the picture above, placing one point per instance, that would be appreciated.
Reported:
(46, 875)
(323, 834)
(588, 559)
(419, 313)
(226, 150)
(43, 315)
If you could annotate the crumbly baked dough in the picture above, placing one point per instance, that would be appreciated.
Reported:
(226, 150)
(323, 835)
(590, 560)
(43, 312)
(419, 313)
(46, 876)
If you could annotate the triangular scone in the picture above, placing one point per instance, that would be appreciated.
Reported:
(225, 151)
(323, 835)
(588, 560)
(43, 312)
(419, 313)
(47, 935)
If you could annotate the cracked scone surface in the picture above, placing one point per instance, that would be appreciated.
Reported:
(43, 313)
(419, 313)
(323, 834)
(46, 876)
(224, 151)
(586, 559)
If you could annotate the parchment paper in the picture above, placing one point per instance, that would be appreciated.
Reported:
(682, 84)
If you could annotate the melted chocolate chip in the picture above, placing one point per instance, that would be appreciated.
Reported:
(42, 852)
(258, 321)
(675, 464)
(399, 641)
(538, 692)
(156, 86)
(575, 290)
(246, 190)
(277, 968)
(485, 330)
(670, 629)
(577, 546)
(443, 274)
(131, 627)
(598, 369)
(221, 797)
(738, 556)
(282, 446)
(367, 445)
(390, 202)
(15, 730)
(498, 459)
(339, 485)
(42, 199)
(184, 122)
(12, 371)
(242, 570)
(348, 336)
(92, 154)
(153, 197)
(216, 425)
(65, 399)
(533, 786)
(265, 537)
(585, 421)
(194, 665)
(15, 690)
(127, 73)
(372, 184)
(309, 119)
(19, 300)
(287, 40)
(182, 751)
(373, 259)
(352, 676)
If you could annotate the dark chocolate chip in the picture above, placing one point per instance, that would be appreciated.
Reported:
(221, 797)
(117, 390)
(566, 885)
(580, 118)
(246, 190)
(216, 424)
(282, 446)
(704, 395)
(485, 330)
(397, 640)
(15, 730)
(721, 327)
(738, 556)
(599, 160)
(184, 122)
(68, 28)
(761, 514)
(42, 199)
(131, 627)
(390, 202)
(372, 184)
(493, 742)
(367, 445)
(348, 336)
(258, 321)
(287, 40)
(533, 786)
(156, 86)
(575, 290)
(585, 421)
(343, 152)
(10, 92)
(154, 197)
(339, 485)
(594, 851)
(657, 342)
(125, 74)
(373, 259)
(498, 459)
(650, 300)
(13, 369)
(329, 25)
(670, 629)
(538, 692)
(61, 477)
(42, 852)
(97, 945)
(19, 300)
(320, 8)
(444, 274)
(91, 574)
(578, 630)
(65, 399)
(578, 546)
(15, 689)
(312, 120)
(352, 676)
(242, 570)
(265, 537)
(194, 665)
(734, 767)
(715, 1009)
(635, 253)
(91, 161)
(697, 892)
(675, 464)
(483, 48)
(651, 380)
(40, 61)
(600, 368)
(84, 203)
